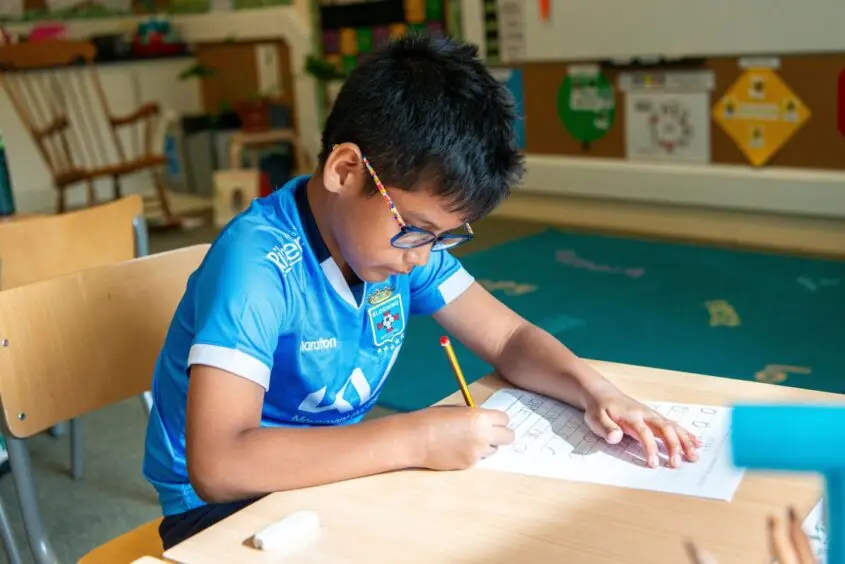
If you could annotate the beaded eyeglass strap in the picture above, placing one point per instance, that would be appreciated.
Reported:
(381, 190)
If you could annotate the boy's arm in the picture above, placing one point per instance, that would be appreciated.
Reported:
(521, 352)
(231, 457)
(531, 358)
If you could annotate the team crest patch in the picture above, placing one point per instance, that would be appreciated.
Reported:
(387, 320)
(380, 294)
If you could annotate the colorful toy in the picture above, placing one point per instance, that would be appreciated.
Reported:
(797, 438)
(156, 37)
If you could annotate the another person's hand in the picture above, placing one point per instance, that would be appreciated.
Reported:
(788, 544)
(456, 438)
(610, 413)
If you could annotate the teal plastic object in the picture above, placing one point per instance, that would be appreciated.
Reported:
(798, 438)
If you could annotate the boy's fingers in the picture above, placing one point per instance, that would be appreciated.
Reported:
(640, 431)
(803, 549)
(495, 416)
(670, 438)
(501, 436)
(603, 425)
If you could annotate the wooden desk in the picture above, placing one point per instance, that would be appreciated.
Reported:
(479, 516)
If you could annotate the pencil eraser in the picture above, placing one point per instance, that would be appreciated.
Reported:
(444, 340)
(287, 533)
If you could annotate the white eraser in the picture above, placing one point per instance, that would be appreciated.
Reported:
(286, 533)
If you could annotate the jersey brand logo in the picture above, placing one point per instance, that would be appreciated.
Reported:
(287, 254)
(358, 382)
(345, 403)
(320, 344)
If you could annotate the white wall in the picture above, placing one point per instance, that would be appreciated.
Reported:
(782, 26)
(128, 84)
(595, 29)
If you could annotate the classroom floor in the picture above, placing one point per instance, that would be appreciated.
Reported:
(112, 496)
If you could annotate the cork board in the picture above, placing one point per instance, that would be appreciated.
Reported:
(817, 144)
(236, 74)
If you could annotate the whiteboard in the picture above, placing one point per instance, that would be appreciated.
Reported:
(614, 29)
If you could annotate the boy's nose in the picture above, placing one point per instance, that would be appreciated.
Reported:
(418, 256)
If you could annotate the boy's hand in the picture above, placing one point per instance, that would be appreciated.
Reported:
(456, 438)
(610, 413)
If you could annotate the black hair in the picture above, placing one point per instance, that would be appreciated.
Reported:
(426, 111)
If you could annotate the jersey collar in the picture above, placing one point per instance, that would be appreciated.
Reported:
(309, 224)
(352, 295)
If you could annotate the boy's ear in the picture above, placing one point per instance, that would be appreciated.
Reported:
(344, 169)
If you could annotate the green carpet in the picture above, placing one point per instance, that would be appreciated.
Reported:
(736, 314)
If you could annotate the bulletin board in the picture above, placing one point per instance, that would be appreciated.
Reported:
(352, 28)
(816, 84)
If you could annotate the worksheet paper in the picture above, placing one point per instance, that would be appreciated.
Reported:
(553, 440)
(815, 529)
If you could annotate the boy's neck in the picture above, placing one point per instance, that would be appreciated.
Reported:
(319, 200)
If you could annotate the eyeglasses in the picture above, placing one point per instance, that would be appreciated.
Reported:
(410, 236)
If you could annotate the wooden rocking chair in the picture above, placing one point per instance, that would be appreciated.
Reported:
(56, 91)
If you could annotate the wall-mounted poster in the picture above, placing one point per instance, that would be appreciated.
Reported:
(760, 113)
(667, 115)
(512, 78)
(586, 104)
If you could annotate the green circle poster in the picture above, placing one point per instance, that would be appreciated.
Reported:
(586, 106)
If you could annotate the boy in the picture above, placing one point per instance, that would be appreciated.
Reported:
(288, 329)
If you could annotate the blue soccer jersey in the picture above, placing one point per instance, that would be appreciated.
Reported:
(269, 304)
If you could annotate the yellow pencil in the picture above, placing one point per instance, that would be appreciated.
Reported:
(453, 360)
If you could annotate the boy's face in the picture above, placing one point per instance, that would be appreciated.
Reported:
(363, 226)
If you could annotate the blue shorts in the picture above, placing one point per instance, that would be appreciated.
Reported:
(176, 528)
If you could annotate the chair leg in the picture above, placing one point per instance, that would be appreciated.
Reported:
(9, 544)
(147, 401)
(25, 486)
(76, 448)
(92, 196)
(162, 196)
(58, 430)
(60, 200)
(142, 236)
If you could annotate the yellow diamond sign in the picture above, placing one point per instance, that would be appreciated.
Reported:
(760, 113)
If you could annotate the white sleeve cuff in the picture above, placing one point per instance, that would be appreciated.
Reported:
(455, 285)
(231, 360)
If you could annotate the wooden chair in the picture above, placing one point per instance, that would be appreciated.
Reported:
(56, 91)
(104, 234)
(61, 351)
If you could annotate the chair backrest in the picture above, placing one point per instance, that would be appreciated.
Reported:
(76, 343)
(48, 85)
(42, 247)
